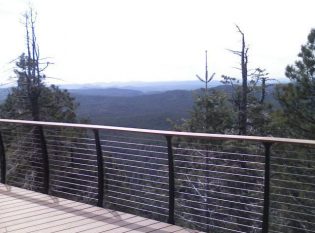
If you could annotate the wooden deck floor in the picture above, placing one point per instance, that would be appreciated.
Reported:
(27, 211)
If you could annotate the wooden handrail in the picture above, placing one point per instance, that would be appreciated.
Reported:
(166, 133)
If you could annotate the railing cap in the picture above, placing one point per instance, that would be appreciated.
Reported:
(165, 133)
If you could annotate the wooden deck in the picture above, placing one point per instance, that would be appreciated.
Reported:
(27, 211)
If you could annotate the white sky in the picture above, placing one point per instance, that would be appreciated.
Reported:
(155, 40)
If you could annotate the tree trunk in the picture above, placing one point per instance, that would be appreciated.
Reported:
(243, 105)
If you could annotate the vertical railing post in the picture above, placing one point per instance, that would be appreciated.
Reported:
(45, 158)
(171, 181)
(100, 168)
(2, 161)
(265, 223)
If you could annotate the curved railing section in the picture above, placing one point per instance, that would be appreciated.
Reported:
(208, 182)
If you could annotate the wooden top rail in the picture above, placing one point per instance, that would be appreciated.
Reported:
(165, 133)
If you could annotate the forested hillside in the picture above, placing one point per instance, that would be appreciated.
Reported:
(133, 108)
(130, 108)
(143, 111)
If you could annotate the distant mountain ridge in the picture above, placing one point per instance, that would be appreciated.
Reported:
(154, 86)
(106, 92)
(144, 86)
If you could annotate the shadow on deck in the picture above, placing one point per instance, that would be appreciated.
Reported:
(27, 211)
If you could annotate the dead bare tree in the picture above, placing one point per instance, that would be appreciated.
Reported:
(30, 66)
(245, 90)
(25, 101)
(242, 102)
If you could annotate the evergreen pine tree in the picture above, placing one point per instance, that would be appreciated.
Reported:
(298, 97)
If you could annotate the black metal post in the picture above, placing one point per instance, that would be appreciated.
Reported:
(45, 158)
(100, 168)
(2, 161)
(265, 223)
(171, 177)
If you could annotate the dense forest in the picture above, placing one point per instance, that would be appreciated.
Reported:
(134, 108)
(219, 184)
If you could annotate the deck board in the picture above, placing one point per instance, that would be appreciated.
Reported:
(24, 211)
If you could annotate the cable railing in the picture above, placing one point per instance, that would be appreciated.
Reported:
(207, 182)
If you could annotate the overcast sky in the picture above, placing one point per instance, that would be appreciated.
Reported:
(155, 40)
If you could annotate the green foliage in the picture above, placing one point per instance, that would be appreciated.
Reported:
(292, 180)
(260, 118)
(32, 100)
(298, 97)
(55, 105)
(211, 114)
